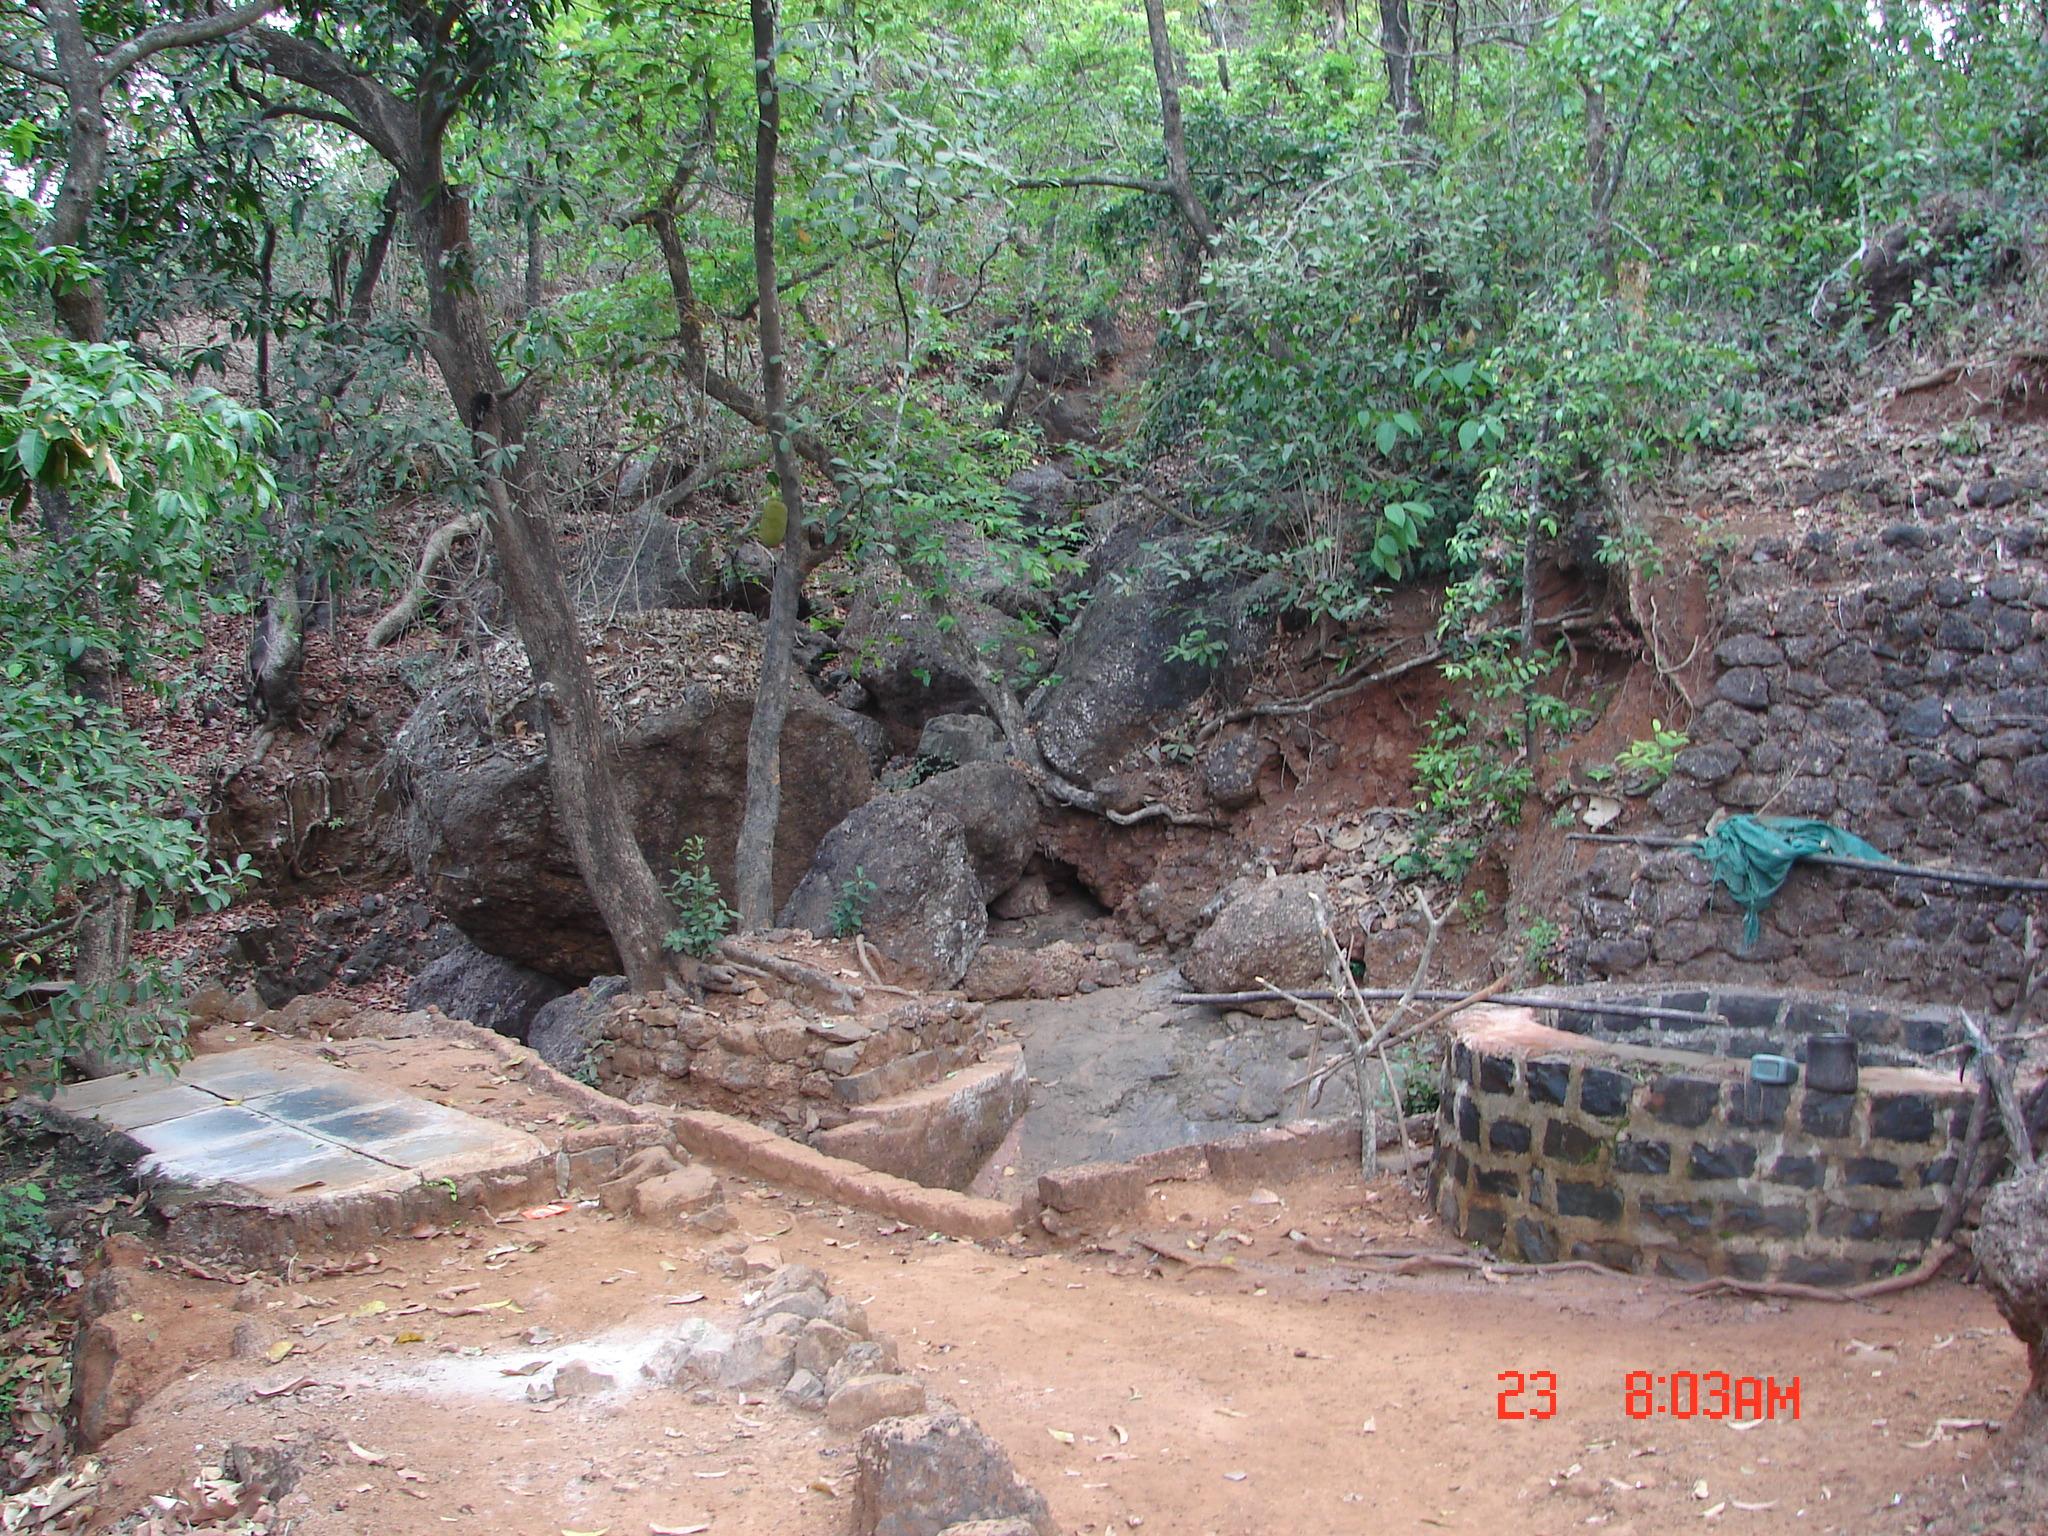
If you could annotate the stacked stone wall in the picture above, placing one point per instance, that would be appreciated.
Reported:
(1555, 1146)
(1894, 682)
(772, 1064)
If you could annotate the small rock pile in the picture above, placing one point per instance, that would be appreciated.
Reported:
(919, 1473)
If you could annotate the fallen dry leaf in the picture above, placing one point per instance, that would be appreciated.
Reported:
(374, 1458)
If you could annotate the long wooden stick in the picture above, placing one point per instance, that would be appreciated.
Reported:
(1457, 1000)
(1833, 861)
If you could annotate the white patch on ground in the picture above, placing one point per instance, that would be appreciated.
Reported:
(638, 1358)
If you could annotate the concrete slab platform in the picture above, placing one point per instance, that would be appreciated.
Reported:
(269, 1125)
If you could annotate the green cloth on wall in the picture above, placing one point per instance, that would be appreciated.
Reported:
(1752, 855)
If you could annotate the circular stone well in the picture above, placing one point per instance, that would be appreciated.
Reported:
(1568, 1133)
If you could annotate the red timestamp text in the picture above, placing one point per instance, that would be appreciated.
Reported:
(1708, 1395)
(1539, 1387)
(1660, 1395)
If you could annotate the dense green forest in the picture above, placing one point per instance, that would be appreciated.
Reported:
(1420, 289)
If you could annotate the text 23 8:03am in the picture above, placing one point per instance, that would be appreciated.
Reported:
(1656, 1395)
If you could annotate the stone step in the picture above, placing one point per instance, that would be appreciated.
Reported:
(939, 1134)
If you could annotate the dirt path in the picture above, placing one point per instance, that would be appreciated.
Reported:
(1232, 1401)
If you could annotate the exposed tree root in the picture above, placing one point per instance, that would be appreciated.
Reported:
(1790, 1290)
(406, 611)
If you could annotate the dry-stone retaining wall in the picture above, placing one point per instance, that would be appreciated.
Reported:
(1894, 682)
(771, 1064)
(1553, 1145)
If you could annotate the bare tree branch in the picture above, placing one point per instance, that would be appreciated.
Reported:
(182, 34)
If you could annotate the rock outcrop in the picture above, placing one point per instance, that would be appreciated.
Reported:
(1266, 929)
(2012, 1246)
(998, 813)
(896, 650)
(1119, 679)
(926, 910)
(924, 1475)
(485, 989)
(563, 1032)
(480, 821)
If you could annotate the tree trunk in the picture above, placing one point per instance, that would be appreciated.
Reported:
(1397, 45)
(1600, 177)
(589, 805)
(754, 865)
(1179, 184)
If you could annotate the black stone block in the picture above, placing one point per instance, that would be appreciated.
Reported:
(1750, 1010)
(1679, 1215)
(1568, 1143)
(1686, 1101)
(1622, 1256)
(1840, 1221)
(1595, 1200)
(1549, 1081)
(1605, 1094)
(1497, 1074)
(1577, 1022)
(1535, 1240)
(1468, 1120)
(1732, 1160)
(1924, 1035)
(1461, 1062)
(1826, 1114)
(1872, 1171)
(1683, 1002)
(1642, 1157)
(1499, 1181)
(1914, 1226)
(1751, 1219)
(1798, 1172)
(1508, 1136)
(1759, 1105)
(1485, 1226)
(1940, 1171)
(1680, 1266)
(1747, 1264)
(1807, 1269)
(1902, 1117)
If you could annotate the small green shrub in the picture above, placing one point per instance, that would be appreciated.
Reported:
(702, 917)
(1649, 761)
(851, 909)
(25, 1236)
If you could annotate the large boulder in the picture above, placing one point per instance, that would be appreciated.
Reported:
(926, 911)
(923, 1475)
(496, 993)
(564, 1031)
(2012, 1247)
(1266, 929)
(1118, 683)
(471, 767)
(894, 647)
(652, 561)
(997, 810)
(953, 741)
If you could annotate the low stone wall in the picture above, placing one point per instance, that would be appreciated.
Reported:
(1894, 681)
(1553, 1145)
(770, 1063)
